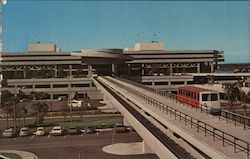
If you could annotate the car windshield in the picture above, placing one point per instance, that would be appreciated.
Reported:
(72, 128)
(57, 129)
(23, 129)
(40, 129)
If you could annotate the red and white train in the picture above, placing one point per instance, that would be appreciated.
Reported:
(197, 97)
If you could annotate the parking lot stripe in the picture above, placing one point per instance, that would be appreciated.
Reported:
(14, 139)
(32, 136)
(48, 136)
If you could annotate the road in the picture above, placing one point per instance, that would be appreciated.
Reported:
(85, 146)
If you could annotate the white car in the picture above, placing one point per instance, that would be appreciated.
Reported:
(40, 131)
(57, 130)
(4, 157)
(8, 132)
(75, 103)
(24, 132)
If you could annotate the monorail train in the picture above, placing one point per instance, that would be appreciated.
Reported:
(198, 97)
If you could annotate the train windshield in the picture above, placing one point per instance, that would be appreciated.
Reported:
(214, 97)
(205, 97)
(210, 97)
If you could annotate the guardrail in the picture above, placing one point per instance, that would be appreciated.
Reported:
(226, 138)
(236, 118)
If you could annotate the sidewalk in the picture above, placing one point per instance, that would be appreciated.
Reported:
(23, 154)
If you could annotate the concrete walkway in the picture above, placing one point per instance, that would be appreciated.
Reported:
(135, 148)
(23, 154)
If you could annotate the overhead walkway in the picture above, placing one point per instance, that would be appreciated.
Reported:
(214, 137)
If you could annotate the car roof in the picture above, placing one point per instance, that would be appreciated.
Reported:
(39, 127)
(193, 89)
(57, 127)
(24, 128)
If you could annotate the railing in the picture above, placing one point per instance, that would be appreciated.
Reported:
(236, 118)
(226, 138)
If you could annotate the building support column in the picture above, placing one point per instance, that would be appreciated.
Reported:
(70, 70)
(51, 91)
(142, 69)
(212, 67)
(55, 71)
(125, 122)
(89, 70)
(129, 68)
(170, 69)
(114, 69)
(198, 68)
(145, 148)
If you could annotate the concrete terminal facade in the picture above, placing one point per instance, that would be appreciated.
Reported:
(45, 68)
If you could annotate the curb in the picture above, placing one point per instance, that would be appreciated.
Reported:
(22, 154)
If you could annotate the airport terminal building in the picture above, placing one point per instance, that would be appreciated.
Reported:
(45, 68)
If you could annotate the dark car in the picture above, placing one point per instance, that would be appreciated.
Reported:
(73, 130)
(8, 133)
(88, 129)
(120, 128)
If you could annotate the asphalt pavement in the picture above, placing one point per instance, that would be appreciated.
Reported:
(82, 146)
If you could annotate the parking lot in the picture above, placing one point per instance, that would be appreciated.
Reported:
(81, 146)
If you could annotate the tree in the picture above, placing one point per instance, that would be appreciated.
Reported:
(233, 94)
(24, 113)
(8, 110)
(64, 108)
(40, 109)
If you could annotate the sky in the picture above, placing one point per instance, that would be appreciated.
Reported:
(181, 25)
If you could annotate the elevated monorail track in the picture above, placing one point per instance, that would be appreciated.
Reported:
(177, 150)
(201, 126)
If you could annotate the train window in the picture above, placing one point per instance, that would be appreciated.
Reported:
(205, 97)
(214, 97)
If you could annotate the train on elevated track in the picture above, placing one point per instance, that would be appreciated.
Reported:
(199, 97)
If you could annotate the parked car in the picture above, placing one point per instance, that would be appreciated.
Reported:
(75, 103)
(8, 132)
(4, 157)
(73, 130)
(119, 128)
(40, 131)
(88, 129)
(24, 132)
(57, 130)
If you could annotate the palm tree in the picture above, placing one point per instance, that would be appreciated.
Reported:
(24, 113)
(232, 93)
(40, 110)
(7, 110)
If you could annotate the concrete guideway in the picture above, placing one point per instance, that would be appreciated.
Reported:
(22, 154)
(150, 140)
(207, 142)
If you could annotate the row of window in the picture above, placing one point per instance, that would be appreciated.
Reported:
(189, 94)
(55, 86)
